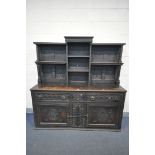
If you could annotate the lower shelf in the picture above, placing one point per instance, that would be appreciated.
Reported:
(77, 83)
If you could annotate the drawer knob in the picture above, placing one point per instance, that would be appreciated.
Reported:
(63, 97)
(77, 99)
(92, 98)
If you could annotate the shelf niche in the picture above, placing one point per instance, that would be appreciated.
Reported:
(52, 53)
(106, 53)
(53, 74)
(78, 79)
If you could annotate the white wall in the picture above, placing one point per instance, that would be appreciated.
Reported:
(50, 20)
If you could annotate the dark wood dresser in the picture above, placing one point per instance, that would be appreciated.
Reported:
(78, 85)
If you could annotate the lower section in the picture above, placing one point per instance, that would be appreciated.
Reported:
(78, 109)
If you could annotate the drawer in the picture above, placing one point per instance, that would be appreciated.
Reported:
(60, 96)
(104, 97)
(51, 96)
(77, 97)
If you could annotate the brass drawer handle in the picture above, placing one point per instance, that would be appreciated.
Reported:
(63, 97)
(92, 98)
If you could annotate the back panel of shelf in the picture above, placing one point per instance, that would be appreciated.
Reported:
(52, 52)
(106, 53)
(78, 63)
(78, 78)
(53, 74)
(78, 49)
(104, 75)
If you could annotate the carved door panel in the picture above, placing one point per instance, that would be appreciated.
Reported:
(53, 115)
(78, 115)
(100, 115)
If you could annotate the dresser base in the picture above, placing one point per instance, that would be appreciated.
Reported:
(78, 108)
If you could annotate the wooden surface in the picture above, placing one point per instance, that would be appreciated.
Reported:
(69, 88)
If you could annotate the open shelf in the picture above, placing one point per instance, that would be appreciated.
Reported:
(78, 50)
(52, 52)
(78, 56)
(106, 63)
(106, 53)
(50, 62)
(78, 69)
(53, 74)
(103, 75)
(77, 78)
(78, 64)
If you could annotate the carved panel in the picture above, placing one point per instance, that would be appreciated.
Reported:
(99, 116)
(53, 114)
(78, 114)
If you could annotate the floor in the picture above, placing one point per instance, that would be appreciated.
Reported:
(76, 142)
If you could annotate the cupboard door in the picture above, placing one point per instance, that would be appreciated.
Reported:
(102, 116)
(78, 114)
(53, 115)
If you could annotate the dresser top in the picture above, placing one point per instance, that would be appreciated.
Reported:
(82, 88)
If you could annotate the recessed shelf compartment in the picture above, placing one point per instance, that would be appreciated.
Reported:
(78, 50)
(106, 53)
(103, 75)
(53, 74)
(78, 64)
(52, 52)
(78, 79)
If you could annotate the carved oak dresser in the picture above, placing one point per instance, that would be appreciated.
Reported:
(78, 85)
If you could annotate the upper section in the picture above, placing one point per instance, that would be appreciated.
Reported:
(78, 39)
(79, 62)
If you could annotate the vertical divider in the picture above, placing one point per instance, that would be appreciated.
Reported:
(89, 82)
(67, 63)
(39, 66)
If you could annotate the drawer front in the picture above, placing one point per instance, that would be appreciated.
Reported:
(104, 97)
(59, 97)
(51, 96)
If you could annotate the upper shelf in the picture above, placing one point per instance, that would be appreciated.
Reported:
(49, 43)
(50, 62)
(100, 44)
(78, 56)
(107, 63)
